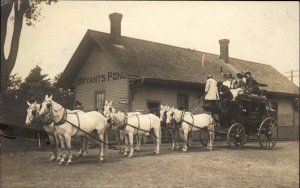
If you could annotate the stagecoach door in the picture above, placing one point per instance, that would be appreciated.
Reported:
(100, 100)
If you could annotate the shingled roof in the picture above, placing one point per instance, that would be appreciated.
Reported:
(160, 61)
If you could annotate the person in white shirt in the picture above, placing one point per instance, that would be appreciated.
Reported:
(211, 91)
(226, 81)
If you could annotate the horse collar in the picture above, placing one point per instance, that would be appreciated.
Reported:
(63, 118)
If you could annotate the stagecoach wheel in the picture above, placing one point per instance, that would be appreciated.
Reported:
(236, 135)
(203, 136)
(268, 133)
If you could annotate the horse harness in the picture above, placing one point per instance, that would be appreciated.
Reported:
(64, 119)
(183, 120)
(138, 128)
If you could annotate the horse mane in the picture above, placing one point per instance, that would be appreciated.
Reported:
(118, 117)
(56, 104)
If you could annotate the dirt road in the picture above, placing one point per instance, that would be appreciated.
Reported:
(222, 167)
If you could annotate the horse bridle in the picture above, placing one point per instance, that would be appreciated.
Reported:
(51, 116)
(32, 110)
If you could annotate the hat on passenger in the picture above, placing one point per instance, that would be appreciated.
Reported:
(209, 76)
(239, 75)
(248, 72)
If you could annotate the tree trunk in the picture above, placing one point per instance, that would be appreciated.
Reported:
(7, 64)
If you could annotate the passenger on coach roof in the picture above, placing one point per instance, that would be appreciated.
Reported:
(226, 81)
(211, 91)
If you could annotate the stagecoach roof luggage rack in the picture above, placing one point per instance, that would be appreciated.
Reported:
(251, 97)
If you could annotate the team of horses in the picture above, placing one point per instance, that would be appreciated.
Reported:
(62, 124)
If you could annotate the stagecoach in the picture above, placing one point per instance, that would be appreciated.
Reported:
(248, 116)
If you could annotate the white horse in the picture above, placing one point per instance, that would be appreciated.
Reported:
(120, 133)
(173, 130)
(48, 125)
(69, 124)
(190, 122)
(131, 125)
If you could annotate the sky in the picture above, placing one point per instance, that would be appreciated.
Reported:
(263, 32)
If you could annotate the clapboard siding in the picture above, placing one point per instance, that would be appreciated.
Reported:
(166, 96)
(98, 63)
(286, 113)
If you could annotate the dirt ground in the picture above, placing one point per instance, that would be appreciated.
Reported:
(223, 167)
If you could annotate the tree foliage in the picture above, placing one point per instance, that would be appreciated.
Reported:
(65, 97)
(36, 85)
(34, 88)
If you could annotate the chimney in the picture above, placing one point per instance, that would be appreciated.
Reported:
(224, 54)
(115, 27)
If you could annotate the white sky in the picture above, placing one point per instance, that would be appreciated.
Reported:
(264, 32)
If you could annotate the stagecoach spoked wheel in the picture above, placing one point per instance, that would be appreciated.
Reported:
(203, 137)
(268, 133)
(236, 135)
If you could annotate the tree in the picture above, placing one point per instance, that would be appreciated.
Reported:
(12, 102)
(65, 97)
(36, 85)
(20, 8)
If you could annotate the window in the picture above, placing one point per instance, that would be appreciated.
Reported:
(182, 101)
(153, 107)
(100, 100)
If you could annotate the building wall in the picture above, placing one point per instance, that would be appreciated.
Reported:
(101, 73)
(288, 118)
(165, 95)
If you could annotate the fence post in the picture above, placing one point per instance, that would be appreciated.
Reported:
(39, 139)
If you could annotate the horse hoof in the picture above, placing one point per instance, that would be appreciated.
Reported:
(52, 158)
(172, 149)
(68, 163)
(130, 155)
(61, 162)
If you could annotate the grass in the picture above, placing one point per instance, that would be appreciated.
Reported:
(249, 166)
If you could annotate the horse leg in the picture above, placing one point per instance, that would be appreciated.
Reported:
(126, 144)
(138, 142)
(173, 140)
(190, 139)
(122, 143)
(63, 149)
(158, 140)
(211, 134)
(85, 143)
(181, 134)
(52, 141)
(101, 147)
(57, 145)
(130, 135)
(68, 143)
(81, 147)
(185, 138)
